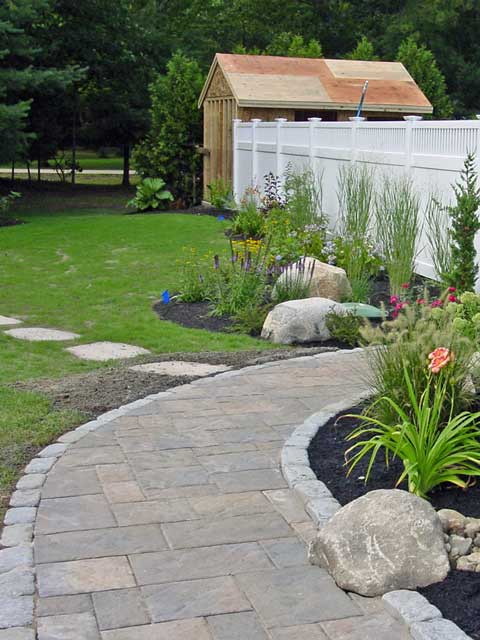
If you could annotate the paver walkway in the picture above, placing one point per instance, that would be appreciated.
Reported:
(175, 523)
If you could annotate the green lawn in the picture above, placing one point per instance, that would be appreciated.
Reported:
(96, 272)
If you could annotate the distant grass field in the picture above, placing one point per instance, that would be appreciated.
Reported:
(87, 159)
(80, 264)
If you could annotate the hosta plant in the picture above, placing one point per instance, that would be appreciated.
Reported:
(151, 194)
(433, 451)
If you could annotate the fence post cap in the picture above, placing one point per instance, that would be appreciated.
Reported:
(237, 120)
(255, 120)
(314, 119)
(412, 118)
(281, 119)
(356, 119)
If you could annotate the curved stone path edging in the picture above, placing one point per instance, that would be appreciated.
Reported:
(169, 518)
(424, 621)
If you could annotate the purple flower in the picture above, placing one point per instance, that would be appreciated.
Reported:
(216, 261)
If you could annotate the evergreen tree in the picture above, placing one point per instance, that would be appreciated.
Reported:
(169, 150)
(363, 51)
(23, 73)
(421, 64)
(465, 223)
(293, 46)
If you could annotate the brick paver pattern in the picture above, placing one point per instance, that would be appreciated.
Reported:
(175, 523)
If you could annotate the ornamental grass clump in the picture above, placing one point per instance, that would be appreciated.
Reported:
(303, 191)
(397, 210)
(294, 281)
(436, 444)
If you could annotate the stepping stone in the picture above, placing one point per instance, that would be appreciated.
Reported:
(6, 321)
(37, 334)
(180, 368)
(102, 351)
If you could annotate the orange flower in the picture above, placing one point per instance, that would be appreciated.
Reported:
(439, 358)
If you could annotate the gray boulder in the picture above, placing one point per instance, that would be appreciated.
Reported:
(324, 279)
(384, 541)
(298, 321)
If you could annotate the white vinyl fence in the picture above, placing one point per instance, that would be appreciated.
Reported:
(430, 152)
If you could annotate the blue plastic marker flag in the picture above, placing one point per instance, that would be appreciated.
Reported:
(165, 297)
(220, 218)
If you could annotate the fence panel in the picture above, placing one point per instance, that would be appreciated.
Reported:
(430, 152)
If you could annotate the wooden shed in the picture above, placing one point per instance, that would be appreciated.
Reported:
(269, 87)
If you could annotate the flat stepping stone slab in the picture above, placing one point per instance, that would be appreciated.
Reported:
(6, 321)
(103, 351)
(180, 368)
(37, 334)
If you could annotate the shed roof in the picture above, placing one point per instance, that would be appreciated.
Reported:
(317, 83)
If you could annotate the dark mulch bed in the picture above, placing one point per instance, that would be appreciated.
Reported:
(197, 210)
(194, 315)
(458, 596)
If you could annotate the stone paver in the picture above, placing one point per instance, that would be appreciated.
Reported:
(38, 334)
(180, 368)
(103, 351)
(173, 520)
(6, 321)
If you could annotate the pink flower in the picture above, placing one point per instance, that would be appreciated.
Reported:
(436, 303)
(439, 358)
(394, 299)
(452, 298)
(405, 285)
(421, 301)
(452, 289)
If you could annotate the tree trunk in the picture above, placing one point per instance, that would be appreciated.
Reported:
(126, 165)
(29, 172)
(74, 141)
(13, 171)
(39, 162)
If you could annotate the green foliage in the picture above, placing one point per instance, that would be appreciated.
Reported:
(303, 198)
(221, 194)
(249, 220)
(150, 195)
(294, 281)
(433, 450)
(344, 328)
(194, 278)
(238, 283)
(465, 223)
(408, 340)
(6, 203)
(421, 64)
(293, 46)
(363, 51)
(355, 198)
(169, 148)
(250, 320)
(398, 228)
(439, 239)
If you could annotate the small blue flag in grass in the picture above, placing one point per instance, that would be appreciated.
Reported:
(165, 297)
(220, 218)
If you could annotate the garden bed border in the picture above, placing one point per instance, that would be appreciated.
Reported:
(424, 620)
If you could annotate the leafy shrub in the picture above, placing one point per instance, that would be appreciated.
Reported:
(6, 203)
(238, 283)
(435, 445)
(294, 281)
(194, 278)
(398, 227)
(251, 319)
(439, 239)
(150, 195)
(344, 328)
(169, 149)
(249, 220)
(221, 194)
(407, 341)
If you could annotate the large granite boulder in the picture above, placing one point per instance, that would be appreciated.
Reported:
(300, 321)
(326, 281)
(384, 541)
